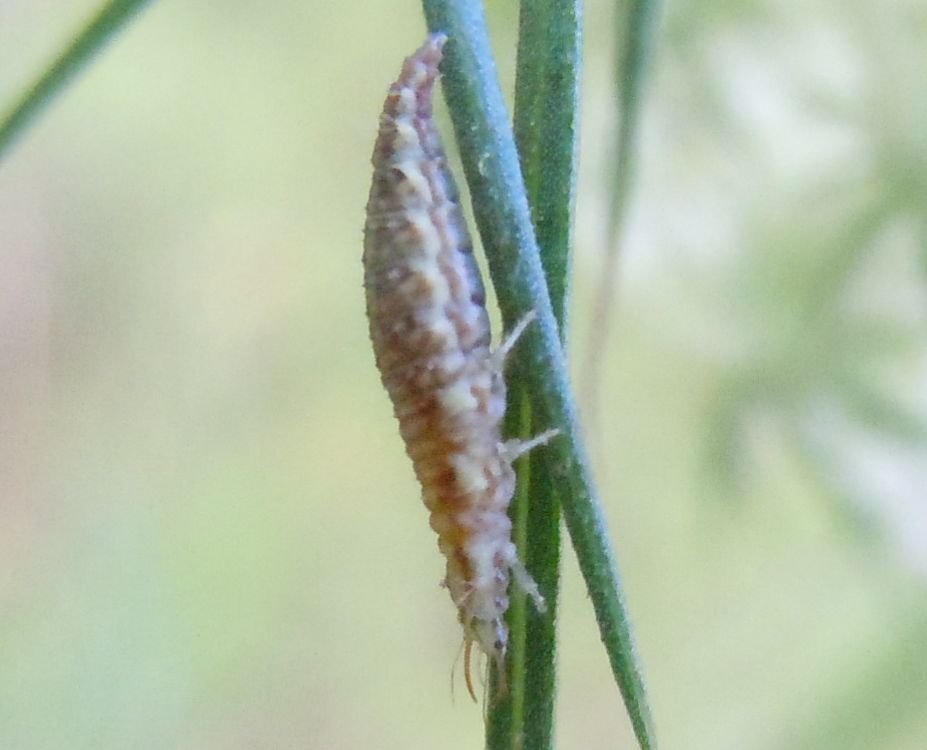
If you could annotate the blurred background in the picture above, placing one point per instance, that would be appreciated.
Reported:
(210, 536)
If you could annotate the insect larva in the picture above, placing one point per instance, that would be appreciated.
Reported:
(430, 331)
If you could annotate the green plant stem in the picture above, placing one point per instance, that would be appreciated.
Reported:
(503, 216)
(91, 39)
(505, 720)
(636, 28)
(545, 126)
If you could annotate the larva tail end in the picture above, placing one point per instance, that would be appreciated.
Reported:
(421, 68)
(432, 50)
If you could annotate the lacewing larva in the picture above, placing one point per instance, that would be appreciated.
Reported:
(430, 330)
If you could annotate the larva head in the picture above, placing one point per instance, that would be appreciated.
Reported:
(492, 638)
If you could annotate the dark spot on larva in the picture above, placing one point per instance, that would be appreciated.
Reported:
(446, 476)
(413, 233)
(478, 297)
(461, 559)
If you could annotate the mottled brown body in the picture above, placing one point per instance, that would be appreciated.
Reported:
(431, 337)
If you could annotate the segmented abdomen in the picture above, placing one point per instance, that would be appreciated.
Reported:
(430, 332)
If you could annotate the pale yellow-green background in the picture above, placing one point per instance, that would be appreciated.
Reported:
(209, 534)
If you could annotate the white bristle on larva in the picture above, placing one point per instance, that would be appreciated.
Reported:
(430, 330)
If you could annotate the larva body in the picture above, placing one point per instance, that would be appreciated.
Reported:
(431, 338)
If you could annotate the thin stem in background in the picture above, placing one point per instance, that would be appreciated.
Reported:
(91, 39)
(636, 29)
(503, 216)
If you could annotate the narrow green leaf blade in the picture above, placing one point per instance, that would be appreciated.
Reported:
(545, 125)
(112, 17)
(636, 25)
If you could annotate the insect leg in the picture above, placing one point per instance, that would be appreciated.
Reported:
(509, 341)
(528, 585)
(515, 449)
